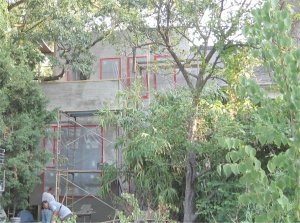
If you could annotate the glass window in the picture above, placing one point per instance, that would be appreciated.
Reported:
(110, 68)
(81, 151)
(164, 73)
(142, 70)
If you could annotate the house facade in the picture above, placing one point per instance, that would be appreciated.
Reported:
(78, 145)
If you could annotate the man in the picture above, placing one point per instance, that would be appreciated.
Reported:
(48, 195)
(46, 212)
(58, 209)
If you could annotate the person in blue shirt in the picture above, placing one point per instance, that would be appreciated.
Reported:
(58, 209)
(47, 213)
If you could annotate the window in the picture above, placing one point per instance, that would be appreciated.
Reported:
(81, 148)
(110, 68)
(49, 144)
(164, 73)
(141, 69)
(74, 75)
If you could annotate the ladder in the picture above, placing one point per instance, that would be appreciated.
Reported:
(64, 181)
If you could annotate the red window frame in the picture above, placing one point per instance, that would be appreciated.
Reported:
(54, 149)
(111, 58)
(129, 75)
(154, 75)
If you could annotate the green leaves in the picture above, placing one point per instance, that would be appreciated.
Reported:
(24, 121)
(227, 169)
(269, 171)
(155, 145)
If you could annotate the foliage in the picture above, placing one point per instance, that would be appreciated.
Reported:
(72, 219)
(271, 176)
(69, 27)
(23, 121)
(23, 118)
(137, 215)
(154, 146)
(211, 30)
(152, 143)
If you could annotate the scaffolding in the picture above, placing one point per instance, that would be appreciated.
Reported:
(65, 170)
(67, 140)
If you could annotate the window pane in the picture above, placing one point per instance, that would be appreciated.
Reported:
(81, 150)
(49, 145)
(81, 147)
(141, 69)
(110, 68)
(164, 74)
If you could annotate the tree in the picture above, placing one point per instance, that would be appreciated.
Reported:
(24, 118)
(26, 26)
(70, 28)
(155, 143)
(272, 180)
(211, 28)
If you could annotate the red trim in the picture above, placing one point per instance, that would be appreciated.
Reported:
(129, 75)
(154, 75)
(111, 58)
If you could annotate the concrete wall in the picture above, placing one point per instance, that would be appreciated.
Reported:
(81, 95)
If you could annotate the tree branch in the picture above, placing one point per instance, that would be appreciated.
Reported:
(170, 50)
(213, 68)
(35, 25)
(219, 78)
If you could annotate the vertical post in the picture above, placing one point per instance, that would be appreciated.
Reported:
(57, 152)
(148, 72)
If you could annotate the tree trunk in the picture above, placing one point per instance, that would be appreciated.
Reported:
(191, 173)
(190, 181)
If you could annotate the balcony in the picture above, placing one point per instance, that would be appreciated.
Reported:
(81, 95)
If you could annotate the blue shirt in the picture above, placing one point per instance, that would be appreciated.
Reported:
(62, 210)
